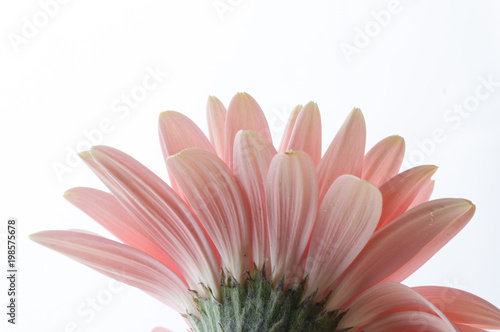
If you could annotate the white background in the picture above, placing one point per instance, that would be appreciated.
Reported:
(64, 77)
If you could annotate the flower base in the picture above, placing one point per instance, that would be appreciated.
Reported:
(258, 306)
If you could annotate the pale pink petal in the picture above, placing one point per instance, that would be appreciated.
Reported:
(347, 218)
(400, 248)
(384, 160)
(121, 262)
(216, 118)
(345, 154)
(384, 299)
(292, 204)
(400, 191)
(215, 195)
(462, 307)
(108, 212)
(161, 329)
(243, 114)
(162, 214)
(285, 139)
(178, 132)
(252, 156)
(466, 328)
(424, 195)
(408, 321)
(306, 134)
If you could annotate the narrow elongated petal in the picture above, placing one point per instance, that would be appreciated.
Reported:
(345, 154)
(161, 212)
(306, 134)
(384, 160)
(121, 262)
(285, 139)
(347, 218)
(462, 307)
(424, 195)
(178, 132)
(216, 118)
(400, 248)
(108, 212)
(409, 321)
(252, 156)
(467, 328)
(243, 114)
(292, 204)
(215, 195)
(400, 191)
(385, 299)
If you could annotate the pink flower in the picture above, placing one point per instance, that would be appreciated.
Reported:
(348, 221)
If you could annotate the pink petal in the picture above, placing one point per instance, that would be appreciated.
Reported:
(161, 329)
(400, 248)
(292, 204)
(108, 212)
(384, 299)
(345, 154)
(384, 160)
(400, 191)
(285, 139)
(215, 195)
(408, 321)
(252, 156)
(243, 114)
(178, 132)
(348, 216)
(306, 134)
(121, 262)
(466, 328)
(424, 194)
(161, 212)
(462, 307)
(216, 118)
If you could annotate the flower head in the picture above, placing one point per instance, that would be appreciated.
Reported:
(247, 237)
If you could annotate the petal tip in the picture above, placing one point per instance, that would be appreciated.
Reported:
(84, 155)
(396, 139)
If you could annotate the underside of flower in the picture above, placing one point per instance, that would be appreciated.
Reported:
(257, 306)
(333, 234)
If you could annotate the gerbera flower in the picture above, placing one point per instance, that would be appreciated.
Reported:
(250, 238)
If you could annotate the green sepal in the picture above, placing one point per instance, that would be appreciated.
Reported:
(257, 306)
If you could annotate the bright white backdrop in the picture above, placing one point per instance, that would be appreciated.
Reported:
(428, 71)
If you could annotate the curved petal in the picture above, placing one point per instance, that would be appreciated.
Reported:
(348, 216)
(400, 248)
(384, 299)
(215, 195)
(243, 114)
(306, 134)
(384, 160)
(178, 132)
(408, 321)
(462, 307)
(285, 139)
(161, 212)
(161, 329)
(424, 194)
(467, 328)
(292, 205)
(216, 118)
(121, 262)
(105, 209)
(400, 191)
(252, 156)
(345, 153)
